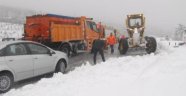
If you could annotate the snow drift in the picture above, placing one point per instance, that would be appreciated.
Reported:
(163, 74)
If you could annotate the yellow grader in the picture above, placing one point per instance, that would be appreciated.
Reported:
(135, 24)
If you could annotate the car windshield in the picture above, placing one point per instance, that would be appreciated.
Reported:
(135, 22)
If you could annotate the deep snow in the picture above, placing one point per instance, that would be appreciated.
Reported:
(161, 74)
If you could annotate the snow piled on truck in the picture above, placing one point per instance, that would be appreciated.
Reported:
(161, 74)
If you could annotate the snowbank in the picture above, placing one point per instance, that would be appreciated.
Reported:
(167, 45)
(9, 30)
(163, 74)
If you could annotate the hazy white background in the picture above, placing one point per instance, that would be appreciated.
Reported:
(162, 16)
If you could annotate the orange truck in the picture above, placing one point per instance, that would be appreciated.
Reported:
(64, 33)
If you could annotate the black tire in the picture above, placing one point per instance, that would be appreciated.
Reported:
(61, 66)
(6, 82)
(151, 45)
(74, 50)
(66, 49)
(123, 46)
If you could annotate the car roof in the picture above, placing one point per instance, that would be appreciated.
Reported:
(5, 43)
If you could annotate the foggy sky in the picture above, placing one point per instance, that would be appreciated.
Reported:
(162, 16)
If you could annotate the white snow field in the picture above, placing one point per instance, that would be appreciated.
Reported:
(160, 74)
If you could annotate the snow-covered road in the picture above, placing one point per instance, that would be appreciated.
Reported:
(163, 74)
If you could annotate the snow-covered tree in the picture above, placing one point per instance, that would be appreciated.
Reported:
(180, 32)
(14, 15)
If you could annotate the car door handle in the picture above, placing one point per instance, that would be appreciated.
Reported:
(35, 58)
(10, 60)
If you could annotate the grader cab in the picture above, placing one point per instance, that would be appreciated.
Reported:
(135, 25)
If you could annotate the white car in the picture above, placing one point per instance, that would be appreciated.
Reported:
(25, 59)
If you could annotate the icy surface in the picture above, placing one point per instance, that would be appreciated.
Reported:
(161, 74)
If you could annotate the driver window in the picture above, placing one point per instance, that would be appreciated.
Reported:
(89, 25)
(92, 26)
(135, 22)
(2, 52)
(37, 49)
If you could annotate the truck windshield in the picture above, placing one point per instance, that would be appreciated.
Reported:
(92, 26)
(135, 22)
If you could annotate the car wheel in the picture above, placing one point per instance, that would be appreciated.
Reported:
(6, 81)
(61, 66)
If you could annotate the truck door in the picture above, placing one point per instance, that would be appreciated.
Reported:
(92, 33)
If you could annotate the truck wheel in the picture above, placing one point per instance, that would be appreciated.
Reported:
(74, 50)
(151, 45)
(123, 46)
(6, 82)
(61, 66)
(65, 48)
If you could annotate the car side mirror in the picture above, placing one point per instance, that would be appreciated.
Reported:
(51, 52)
